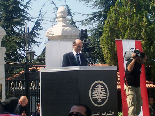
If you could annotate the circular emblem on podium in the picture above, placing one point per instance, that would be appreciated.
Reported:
(99, 93)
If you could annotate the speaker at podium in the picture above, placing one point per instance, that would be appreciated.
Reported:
(95, 86)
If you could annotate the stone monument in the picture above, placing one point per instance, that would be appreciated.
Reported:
(60, 38)
(2, 62)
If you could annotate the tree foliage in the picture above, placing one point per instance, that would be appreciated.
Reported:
(69, 13)
(101, 8)
(13, 17)
(97, 19)
(95, 50)
(130, 20)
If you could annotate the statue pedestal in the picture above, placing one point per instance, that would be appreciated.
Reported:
(55, 51)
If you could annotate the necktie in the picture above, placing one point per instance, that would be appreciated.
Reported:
(77, 59)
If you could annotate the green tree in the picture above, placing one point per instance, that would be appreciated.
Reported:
(97, 19)
(96, 53)
(69, 13)
(130, 20)
(13, 17)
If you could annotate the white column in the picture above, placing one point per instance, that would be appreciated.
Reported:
(55, 51)
(2, 62)
(2, 72)
(61, 38)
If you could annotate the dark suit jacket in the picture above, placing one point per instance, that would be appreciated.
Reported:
(36, 114)
(69, 60)
(19, 110)
(9, 105)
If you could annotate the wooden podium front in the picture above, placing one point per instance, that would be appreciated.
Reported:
(63, 87)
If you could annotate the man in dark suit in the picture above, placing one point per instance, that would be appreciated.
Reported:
(9, 105)
(75, 58)
(21, 107)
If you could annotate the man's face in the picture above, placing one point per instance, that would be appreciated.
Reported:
(23, 103)
(142, 60)
(77, 110)
(38, 108)
(78, 47)
(151, 101)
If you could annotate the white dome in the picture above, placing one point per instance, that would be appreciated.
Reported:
(62, 12)
(62, 30)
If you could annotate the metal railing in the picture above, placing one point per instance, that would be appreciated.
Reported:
(17, 88)
(16, 84)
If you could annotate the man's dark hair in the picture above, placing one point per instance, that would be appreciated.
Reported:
(139, 53)
(142, 55)
(88, 110)
(150, 97)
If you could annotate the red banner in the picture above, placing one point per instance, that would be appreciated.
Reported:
(8, 115)
(122, 46)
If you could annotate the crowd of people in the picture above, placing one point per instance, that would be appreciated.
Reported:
(76, 58)
(132, 74)
(19, 108)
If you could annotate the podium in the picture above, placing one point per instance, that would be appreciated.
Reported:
(95, 86)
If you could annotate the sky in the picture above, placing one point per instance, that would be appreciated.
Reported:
(78, 7)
